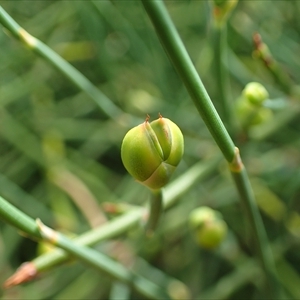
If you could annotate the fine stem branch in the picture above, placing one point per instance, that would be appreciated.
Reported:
(156, 207)
(174, 47)
(102, 263)
(221, 74)
(18, 219)
(38, 47)
(109, 230)
(37, 230)
(260, 238)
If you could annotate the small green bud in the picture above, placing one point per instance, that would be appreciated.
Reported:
(255, 93)
(250, 109)
(208, 227)
(151, 151)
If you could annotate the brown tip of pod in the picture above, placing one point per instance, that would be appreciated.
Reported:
(26, 272)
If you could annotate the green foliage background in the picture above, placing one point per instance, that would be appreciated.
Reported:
(57, 143)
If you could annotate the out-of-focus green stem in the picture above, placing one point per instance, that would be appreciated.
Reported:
(38, 230)
(174, 47)
(38, 47)
(117, 226)
(262, 51)
(106, 231)
(156, 207)
(102, 263)
(18, 219)
(221, 11)
(221, 74)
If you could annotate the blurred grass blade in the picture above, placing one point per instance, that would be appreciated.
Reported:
(38, 47)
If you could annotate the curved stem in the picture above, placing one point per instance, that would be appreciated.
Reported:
(156, 207)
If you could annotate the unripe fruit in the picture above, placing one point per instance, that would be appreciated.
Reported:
(208, 227)
(250, 108)
(255, 93)
(151, 151)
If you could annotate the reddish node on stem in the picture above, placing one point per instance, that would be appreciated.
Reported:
(262, 50)
(257, 40)
(25, 273)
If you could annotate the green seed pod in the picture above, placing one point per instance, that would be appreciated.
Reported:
(208, 227)
(250, 109)
(255, 93)
(151, 151)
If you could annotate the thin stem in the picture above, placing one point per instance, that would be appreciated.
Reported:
(119, 290)
(221, 74)
(156, 206)
(275, 124)
(170, 39)
(102, 263)
(98, 260)
(106, 231)
(262, 51)
(18, 219)
(38, 47)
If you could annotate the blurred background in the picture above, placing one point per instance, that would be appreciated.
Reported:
(60, 154)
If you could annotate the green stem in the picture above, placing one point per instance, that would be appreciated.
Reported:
(174, 47)
(221, 74)
(102, 263)
(117, 226)
(38, 230)
(263, 52)
(259, 235)
(119, 290)
(38, 47)
(156, 207)
(106, 231)
(18, 219)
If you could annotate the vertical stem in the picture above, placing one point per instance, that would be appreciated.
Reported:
(156, 206)
(219, 37)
